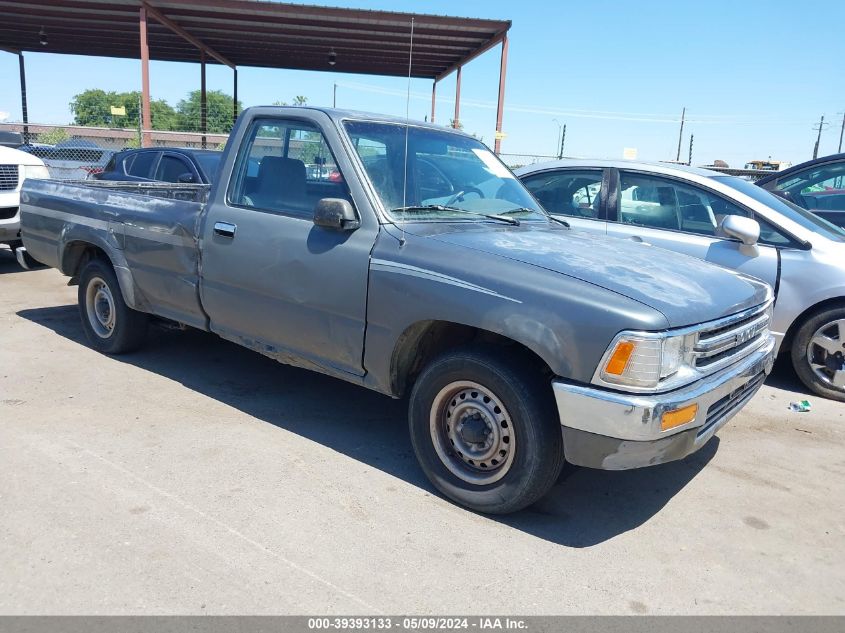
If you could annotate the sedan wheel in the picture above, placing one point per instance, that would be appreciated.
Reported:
(818, 352)
(825, 354)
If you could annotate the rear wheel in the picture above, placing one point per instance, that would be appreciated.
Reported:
(111, 326)
(818, 353)
(485, 431)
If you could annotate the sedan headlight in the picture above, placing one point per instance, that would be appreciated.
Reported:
(641, 360)
(35, 171)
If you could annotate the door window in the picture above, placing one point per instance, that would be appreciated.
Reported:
(170, 168)
(142, 164)
(575, 193)
(286, 166)
(665, 204)
(821, 187)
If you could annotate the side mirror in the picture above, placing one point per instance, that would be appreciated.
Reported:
(186, 177)
(746, 230)
(335, 213)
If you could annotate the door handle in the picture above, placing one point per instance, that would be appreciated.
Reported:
(225, 229)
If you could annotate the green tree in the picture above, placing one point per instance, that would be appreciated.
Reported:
(93, 108)
(298, 100)
(51, 137)
(218, 112)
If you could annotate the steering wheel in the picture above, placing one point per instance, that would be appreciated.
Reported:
(462, 194)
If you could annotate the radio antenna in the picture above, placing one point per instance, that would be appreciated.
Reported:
(407, 127)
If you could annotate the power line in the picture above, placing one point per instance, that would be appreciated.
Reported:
(720, 119)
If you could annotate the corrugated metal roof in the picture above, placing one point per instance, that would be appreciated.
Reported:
(250, 33)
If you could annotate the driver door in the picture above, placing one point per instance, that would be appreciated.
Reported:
(682, 217)
(272, 280)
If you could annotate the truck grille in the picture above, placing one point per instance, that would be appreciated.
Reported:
(731, 339)
(728, 405)
(8, 177)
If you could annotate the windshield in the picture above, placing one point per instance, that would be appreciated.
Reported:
(795, 213)
(210, 163)
(449, 176)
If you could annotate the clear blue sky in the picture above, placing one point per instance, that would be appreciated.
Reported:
(754, 76)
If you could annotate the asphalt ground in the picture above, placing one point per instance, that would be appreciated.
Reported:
(197, 477)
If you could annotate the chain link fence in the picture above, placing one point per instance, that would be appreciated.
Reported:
(521, 160)
(104, 123)
(73, 152)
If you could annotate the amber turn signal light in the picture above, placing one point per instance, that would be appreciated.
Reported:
(619, 360)
(678, 417)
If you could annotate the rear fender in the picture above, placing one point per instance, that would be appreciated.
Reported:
(77, 242)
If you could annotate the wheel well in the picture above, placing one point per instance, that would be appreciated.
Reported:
(806, 314)
(423, 341)
(77, 254)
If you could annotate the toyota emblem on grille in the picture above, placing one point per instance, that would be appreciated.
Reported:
(744, 336)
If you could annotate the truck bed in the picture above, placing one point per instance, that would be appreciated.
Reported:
(149, 231)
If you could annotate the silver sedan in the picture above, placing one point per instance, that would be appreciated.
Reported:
(727, 221)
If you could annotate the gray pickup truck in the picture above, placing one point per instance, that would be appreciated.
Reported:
(411, 261)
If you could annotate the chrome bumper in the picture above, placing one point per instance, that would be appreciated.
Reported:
(617, 431)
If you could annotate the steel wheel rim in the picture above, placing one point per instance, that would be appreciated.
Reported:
(826, 354)
(99, 306)
(472, 433)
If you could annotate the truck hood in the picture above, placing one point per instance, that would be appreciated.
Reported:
(9, 156)
(686, 290)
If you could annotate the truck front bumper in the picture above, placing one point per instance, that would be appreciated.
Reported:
(617, 431)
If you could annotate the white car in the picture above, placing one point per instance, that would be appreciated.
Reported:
(15, 167)
(727, 221)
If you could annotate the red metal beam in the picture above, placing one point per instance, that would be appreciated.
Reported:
(501, 37)
(24, 111)
(164, 20)
(503, 69)
(456, 122)
(235, 96)
(203, 100)
(146, 119)
(433, 98)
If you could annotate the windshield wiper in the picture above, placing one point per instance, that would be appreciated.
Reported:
(529, 210)
(443, 207)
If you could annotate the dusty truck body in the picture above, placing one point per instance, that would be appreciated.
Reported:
(421, 267)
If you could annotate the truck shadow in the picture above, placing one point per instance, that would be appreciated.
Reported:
(783, 376)
(585, 507)
(8, 263)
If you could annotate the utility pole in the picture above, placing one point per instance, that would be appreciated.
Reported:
(334, 99)
(841, 131)
(562, 141)
(820, 127)
(691, 136)
(681, 134)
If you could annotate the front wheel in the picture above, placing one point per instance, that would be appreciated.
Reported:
(111, 326)
(485, 431)
(818, 353)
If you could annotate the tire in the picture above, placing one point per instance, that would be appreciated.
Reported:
(818, 353)
(470, 461)
(111, 326)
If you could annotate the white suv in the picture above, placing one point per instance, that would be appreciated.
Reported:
(15, 167)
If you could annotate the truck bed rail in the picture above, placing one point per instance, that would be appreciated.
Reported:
(172, 191)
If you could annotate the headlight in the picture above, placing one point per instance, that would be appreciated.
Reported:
(35, 171)
(643, 360)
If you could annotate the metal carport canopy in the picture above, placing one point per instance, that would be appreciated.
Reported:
(258, 34)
